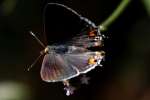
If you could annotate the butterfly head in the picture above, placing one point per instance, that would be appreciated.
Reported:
(49, 49)
(46, 50)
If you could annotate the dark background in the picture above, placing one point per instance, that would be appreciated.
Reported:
(124, 76)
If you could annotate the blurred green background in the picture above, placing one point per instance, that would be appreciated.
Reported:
(125, 75)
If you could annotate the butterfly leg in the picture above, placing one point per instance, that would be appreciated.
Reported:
(68, 88)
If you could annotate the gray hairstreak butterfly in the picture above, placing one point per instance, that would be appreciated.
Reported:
(78, 53)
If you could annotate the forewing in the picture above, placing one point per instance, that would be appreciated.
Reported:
(55, 68)
(63, 25)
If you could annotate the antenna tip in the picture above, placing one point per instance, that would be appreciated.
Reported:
(32, 33)
(28, 69)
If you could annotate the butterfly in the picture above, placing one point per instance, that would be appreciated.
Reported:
(74, 56)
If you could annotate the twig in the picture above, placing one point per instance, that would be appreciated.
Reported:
(117, 12)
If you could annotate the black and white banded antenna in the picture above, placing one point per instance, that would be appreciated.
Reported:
(35, 61)
(37, 39)
(41, 53)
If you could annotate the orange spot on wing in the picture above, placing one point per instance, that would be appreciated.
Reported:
(91, 60)
(92, 33)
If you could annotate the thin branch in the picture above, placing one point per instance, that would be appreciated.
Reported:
(117, 12)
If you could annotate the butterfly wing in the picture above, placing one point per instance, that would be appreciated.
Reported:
(85, 40)
(60, 23)
(63, 25)
(84, 61)
(56, 68)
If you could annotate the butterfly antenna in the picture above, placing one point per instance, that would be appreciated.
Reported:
(35, 61)
(37, 39)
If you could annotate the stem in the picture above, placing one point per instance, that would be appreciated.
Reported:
(117, 12)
